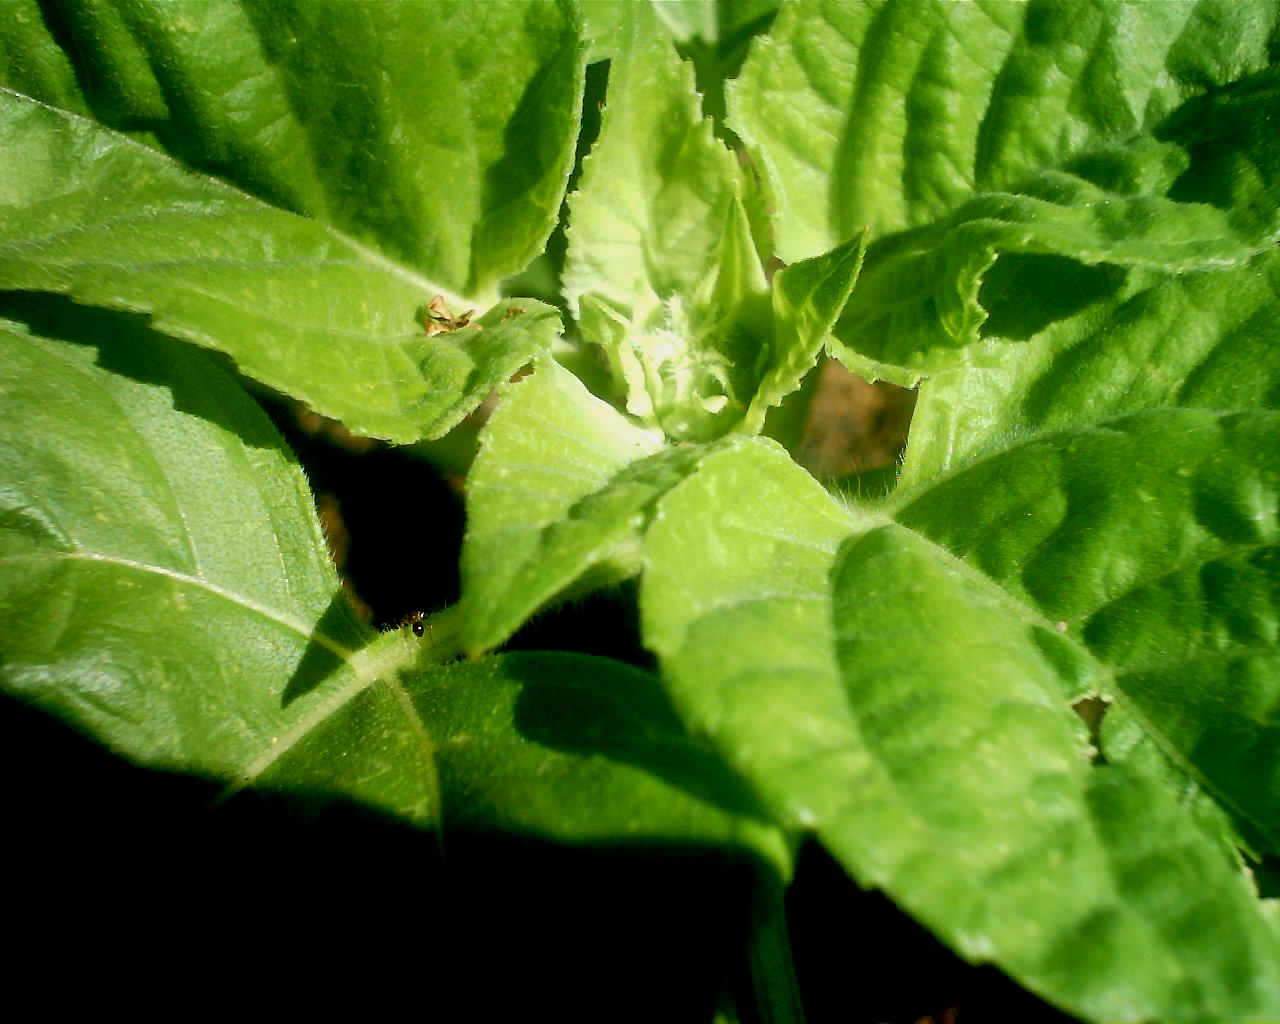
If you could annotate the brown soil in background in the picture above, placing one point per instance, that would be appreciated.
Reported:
(853, 426)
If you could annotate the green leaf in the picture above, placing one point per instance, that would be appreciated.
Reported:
(909, 700)
(166, 589)
(559, 489)
(580, 748)
(32, 61)
(94, 216)
(390, 122)
(807, 298)
(560, 746)
(735, 603)
(1123, 739)
(649, 213)
(723, 24)
(662, 269)
(1070, 345)
(162, 572)
(1179, 602)
(1202, 204)
(977, 807)
(889, 115)
(1016, 331)
(712, 22)
(564, 487)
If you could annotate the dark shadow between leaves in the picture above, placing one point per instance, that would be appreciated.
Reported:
(1092, 711)
(861, 960)
(1025, 293)
(604, 622)
(120, 865)
(1220, 131)
(580, 715)
(202, 382)
(1266, 874)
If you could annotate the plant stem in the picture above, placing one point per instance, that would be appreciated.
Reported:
(774, 989)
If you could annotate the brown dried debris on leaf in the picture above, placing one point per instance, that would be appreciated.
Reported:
(437, 319)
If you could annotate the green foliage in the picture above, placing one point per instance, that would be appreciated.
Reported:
(1059, 220)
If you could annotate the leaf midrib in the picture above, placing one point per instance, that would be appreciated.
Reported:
(365, 673)
(199, 582)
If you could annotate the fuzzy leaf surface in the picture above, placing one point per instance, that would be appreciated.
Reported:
(807, 298)
(95, 216)
(1160, 292)
(1071, 345)
(741, 550)
(649, 212)
(165, 582)
(580, 748)
(1179, 603)
(713, 22)
(889, 115)
(1203, 194)
(1042, 634)
(559, 489)
(389, 122)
